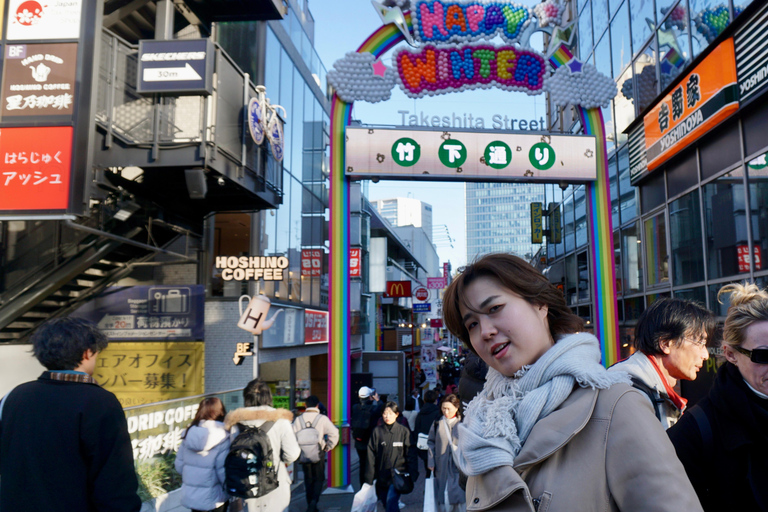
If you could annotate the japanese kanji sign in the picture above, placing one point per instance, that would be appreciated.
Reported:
(537, 230)
(35, 168)
(700, 101)
(315, 326)
(743, 257)
(311, 262)
(469, 155)
(39, 79)
(148, 312)
(354, 262)
(36, 19)
(147, 372)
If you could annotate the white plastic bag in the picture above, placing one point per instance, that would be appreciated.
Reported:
(365, 499)
(429, 495)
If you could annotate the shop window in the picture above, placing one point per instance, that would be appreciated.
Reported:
(571, 279)
(720, 149)
(633, 259)
(585, 30)
(640, 12)
(627, 337)
(719, 305)
(231, 237)
(655, 230)
(585, 313)
(682, 173)
(755, 123)
(617, 262)
(663, 7)
(627, 193)
(582, 264)
(624, 103)
(726, 223)
(616, 5)
(698, 294)
(653, 297)
(633, 308)
(685, 239)
(757, 170)
(675, 49)
(600, 19)
(568, 226)
(613, 177)
(710, 19)
(580, 214)
(646, 85)
(621, 47)
(652, 192)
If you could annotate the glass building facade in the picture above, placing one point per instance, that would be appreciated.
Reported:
(684, 229)
(499, 218)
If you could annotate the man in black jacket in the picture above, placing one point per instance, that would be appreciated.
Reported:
(64, 443)
(428, 414)
(365, 416)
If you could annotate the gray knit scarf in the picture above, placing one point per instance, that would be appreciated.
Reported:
(499, 419)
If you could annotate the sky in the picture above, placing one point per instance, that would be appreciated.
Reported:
(340, 27)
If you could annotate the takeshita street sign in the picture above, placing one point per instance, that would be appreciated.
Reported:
(469, 155)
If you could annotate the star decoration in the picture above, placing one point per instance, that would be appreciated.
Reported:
(666, 38)
(379, 68)
(395, 16)
(562, 35)
(589, 153)
(575, 65)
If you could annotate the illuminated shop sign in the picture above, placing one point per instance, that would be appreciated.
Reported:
(315, 326)
(469, 155)
(311, 262)
(35, 166)
(41, 19)
(699, 102)
(249, 268)
(39, 79)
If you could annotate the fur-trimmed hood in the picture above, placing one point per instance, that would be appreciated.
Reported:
(263, 413)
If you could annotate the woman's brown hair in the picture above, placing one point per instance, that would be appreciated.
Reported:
(453, 400)
(518, 276)
(209, 409)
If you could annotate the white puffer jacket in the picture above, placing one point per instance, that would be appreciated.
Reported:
(200, 462)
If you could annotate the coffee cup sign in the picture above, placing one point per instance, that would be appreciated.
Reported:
(254, 318)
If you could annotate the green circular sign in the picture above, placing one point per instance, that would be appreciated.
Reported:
(406, 152)
(542, 156)
(497, 155)
(452, 153)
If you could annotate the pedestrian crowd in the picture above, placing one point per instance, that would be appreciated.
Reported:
(536, 423)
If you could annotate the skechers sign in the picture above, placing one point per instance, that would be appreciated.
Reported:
(699, 102)
(179, 66)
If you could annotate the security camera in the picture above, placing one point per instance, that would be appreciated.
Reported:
(221, 182)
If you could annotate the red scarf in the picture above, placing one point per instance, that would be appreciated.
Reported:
(679, 401)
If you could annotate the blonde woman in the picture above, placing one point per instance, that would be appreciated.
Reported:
(722, 441)
(442, 441)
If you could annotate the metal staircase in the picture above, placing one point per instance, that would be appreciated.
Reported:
(100, 260)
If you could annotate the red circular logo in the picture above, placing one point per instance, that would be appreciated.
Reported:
(421, 293)
(29, 13)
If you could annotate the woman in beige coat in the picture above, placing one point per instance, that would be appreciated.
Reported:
(442, 440)
(552, 430)
(285, 449)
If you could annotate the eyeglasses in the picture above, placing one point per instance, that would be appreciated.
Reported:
(699, 342)
(759, 355)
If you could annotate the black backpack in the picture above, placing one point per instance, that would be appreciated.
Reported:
(361, 422)
(250, 465)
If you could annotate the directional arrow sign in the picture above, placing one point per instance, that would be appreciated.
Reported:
(173, 74)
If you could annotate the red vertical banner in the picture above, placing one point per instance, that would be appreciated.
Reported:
(311, 262)
(354, 263)
(35, 166)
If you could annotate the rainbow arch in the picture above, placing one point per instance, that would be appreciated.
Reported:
(601, 253)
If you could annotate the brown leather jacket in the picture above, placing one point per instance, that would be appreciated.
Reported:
(600, 451)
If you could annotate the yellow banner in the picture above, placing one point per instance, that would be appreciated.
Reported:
(151, 371)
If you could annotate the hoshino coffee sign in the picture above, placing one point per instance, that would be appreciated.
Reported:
(246, 268)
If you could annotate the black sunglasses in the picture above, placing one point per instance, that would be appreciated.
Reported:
(759, 355)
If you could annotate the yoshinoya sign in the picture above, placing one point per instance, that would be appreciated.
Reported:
(44, 19)
(751, 48)
(39, 79)
(701, 100)
(179, 66)
(469, 155)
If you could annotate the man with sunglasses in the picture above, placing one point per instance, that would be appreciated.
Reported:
(671, 344)
(722, 440)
